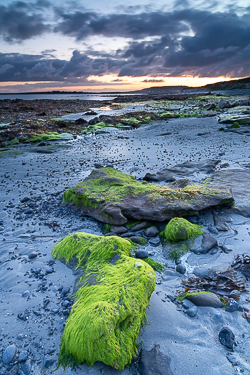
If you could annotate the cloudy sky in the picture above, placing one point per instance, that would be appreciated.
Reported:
(121, 45)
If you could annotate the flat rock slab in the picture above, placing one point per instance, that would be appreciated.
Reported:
(113, 197)
(239, 181)
(182, 170)
(154, 362)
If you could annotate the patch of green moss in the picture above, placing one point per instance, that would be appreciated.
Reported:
(114, 291)
(190, 294)
(169, 115)
(235, 125)
(133, 120)
(51, 136)
(177, 252)
(106, 228)
(180, 229)
(10, 153)
(157, 266)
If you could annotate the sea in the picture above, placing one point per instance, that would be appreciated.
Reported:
(58, 96)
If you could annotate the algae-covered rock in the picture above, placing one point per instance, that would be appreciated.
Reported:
(114, 291)
(179, 229)
(114, 197)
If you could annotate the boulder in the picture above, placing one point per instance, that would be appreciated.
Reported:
(113, 197)
(110, 302)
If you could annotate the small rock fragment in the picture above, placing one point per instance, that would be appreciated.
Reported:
(227, 338)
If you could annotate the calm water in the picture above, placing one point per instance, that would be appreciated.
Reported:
(60, 96)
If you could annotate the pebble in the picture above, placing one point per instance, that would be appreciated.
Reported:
(206, 299)
(48, 361)
(26, 293)
(213, 230)
(9, 354)
(23, 356)
(25, 199)
(65, 290)
(32, 255)
(181, 268)
(151, 232)
(232, 305)
(26, 367)
(226, 337)
(141, 254)
(192, 311)
(29, 211)
(154, 241)
(187, 304)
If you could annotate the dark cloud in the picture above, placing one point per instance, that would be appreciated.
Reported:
(18, 67)
(20, 20)
(189, 41)
(153, 80)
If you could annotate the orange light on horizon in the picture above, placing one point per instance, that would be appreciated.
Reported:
(110, 83)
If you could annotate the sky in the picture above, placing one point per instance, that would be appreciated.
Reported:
(117, 45)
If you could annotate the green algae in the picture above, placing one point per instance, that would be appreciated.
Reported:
(190, 294)
(157, 266)
(133, 120)
(169, 115)
(235, 125)
(114, 291)
(110, 185)
(180, 229)
(51, 136)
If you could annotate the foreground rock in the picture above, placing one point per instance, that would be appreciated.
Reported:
(113, 197)
(154, 362)
(238, 180)
(110, 303)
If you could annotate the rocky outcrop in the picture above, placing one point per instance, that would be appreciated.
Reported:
(113, 197)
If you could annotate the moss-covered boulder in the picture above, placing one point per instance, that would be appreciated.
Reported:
(179, 229)
(113, 293)
(113, 197)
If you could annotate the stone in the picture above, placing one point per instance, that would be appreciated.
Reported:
(23, 356)
(227, 338)
(26, 294)
(181, 268)
(232, 305)
(118, 229)
(32, 255)
(141, 254)
(154, 362)
(139, 226)
(151, 232)
(206, 299)
(114, 198)
(187, 304)
(203, 244)
(48, 361)
(9, 354)
(154, 241)
(192, 312)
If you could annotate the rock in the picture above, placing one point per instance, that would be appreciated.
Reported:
(224, 104)
(154, 241)
(141, 254)
(33, 255)
(24, 199)
(181, 268)
(232, 305)
(23, 356)
(182, 170)
(238, 180)
(139, 226)
(227, 338)
(118, 230)
(9, 354)
(179, 229)
(206, 299)
(112, 308)
(112, 197)
(138, 240)
(213, 230)
(65, 290)
(192, 311)
(203, 244)
(187, 304)
(48, 361)
(151, 232)
(154, 362)
(26, 294)
(232, 359)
